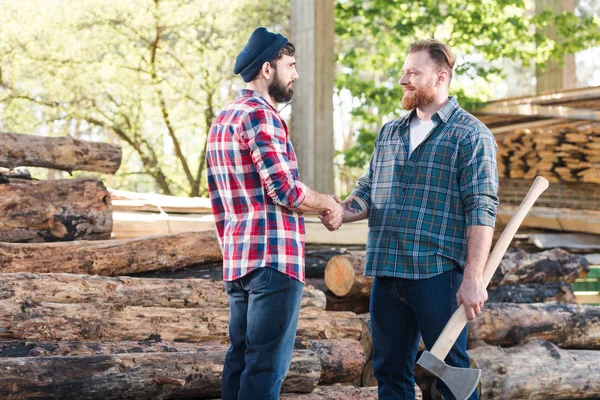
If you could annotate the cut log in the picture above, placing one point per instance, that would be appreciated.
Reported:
(344, 275)
(316, 258)
(533, 293)
(554, 265)
(112, 257)
(358, 304)
(53, 321)
(135, 376)
(335, 393)
(63, 153)
(566, 325)
(537, 370)
(342, 360)
(125, 291)
(51, 211)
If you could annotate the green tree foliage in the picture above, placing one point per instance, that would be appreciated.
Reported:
(373, 36)
(152, 73)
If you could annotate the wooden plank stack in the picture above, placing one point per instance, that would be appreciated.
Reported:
(565, 152)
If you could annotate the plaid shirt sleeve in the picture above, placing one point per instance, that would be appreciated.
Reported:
(267, 141)
(362, 189)
(478, 177)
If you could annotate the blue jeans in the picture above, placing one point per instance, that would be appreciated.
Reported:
(401, 311)
(264, 307)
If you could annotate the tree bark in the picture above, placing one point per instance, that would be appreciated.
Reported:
(112, 257)
(537, 370)
(135, 376)
(52, 211)
(566, 325)
(342, 360)
(53, 321)
(554, 265)
(344, 275)
(335, 393)
(533, 293)
(125, 291)
(63, 153)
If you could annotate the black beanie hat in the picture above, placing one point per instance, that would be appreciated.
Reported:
(262, 47)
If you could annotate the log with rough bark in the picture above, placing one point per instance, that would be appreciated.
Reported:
(533, 293)
(135, 376)
(335, 392)
(52, 211)
(112, 257)
(126, 291)
(54, 321)
(537, 370)
(566, 325)
(554, 265)
(344, 275)
(342, 360)
(63, 153)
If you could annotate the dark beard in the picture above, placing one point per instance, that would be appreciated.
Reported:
(279, 92)
(421, 97)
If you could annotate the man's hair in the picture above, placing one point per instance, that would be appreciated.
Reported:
(287, 50)
(439, 52)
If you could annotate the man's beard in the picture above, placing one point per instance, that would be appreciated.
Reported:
(420, 97)
(278, 90)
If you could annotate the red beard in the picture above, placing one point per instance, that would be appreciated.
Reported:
(418, 98)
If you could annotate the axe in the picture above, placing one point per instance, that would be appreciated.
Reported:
(463, 381)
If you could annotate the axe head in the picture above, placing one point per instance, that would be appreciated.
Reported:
(462, 382)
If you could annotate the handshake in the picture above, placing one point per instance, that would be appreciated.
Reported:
(333, 214)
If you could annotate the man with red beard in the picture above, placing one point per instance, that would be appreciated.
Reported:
(430, 194)
(257, 202)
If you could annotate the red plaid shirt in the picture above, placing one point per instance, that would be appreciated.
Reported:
(252, 179)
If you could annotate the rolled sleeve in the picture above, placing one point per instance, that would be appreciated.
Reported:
(267, 141)
(478, 177)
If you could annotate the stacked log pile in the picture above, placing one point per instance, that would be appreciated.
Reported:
(531, 307)
(567, 152)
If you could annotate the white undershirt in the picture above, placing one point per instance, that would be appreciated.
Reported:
(419, 130)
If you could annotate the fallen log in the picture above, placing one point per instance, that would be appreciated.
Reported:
(316, 258)
(537, 370)
(566, 325)
(533, 293)
(336, 392)
(112, 257)
(342, 360)
(126, 291)
(135, 376)
(51, 211)
(344, 275)
(54, 321)
(64, 153)
(554, 265)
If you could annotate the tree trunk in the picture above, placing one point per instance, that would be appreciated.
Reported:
(125, 291)
(344, 275)
(554, 265)
(135, 376)
(53, 321)
(52, 211)
(533, 293)
(342, 360)
(316, 258)
(358, 304)
(64, 153)
(335, 393)
(566, 325)
(112, 257)
(537, 370)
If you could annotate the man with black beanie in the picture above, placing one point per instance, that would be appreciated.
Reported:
(257, 202)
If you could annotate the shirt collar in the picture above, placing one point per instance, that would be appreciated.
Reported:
(442, 114)
(255, 95)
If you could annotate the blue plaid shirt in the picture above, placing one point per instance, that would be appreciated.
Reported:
(420, 207)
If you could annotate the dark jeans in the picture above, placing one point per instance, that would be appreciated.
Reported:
(264, 307)
(401, 311)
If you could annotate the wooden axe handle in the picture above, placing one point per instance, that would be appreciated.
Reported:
(457, 322)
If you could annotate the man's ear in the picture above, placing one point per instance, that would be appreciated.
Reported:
(267, 70)
(442, 77)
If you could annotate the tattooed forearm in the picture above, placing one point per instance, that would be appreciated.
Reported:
(354, 209)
